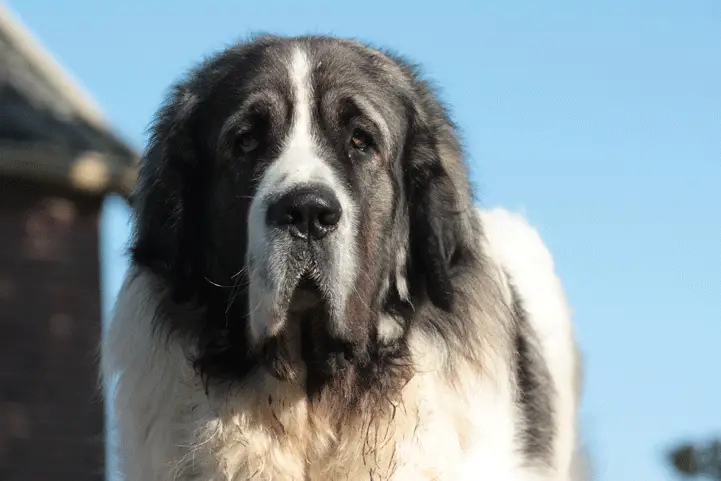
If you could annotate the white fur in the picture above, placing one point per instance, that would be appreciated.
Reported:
(299, 163)
(168, 429)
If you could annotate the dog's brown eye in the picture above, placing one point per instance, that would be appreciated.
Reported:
(360, 140)
(246, 143)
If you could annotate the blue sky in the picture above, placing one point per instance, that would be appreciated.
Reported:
(601, 122)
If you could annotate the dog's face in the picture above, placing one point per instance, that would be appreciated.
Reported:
(307, 180)
(321, 200)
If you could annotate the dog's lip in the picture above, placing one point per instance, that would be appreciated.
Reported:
(305, 295)
(306, 283)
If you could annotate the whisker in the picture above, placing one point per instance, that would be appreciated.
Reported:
(242, 269)
(216, 284)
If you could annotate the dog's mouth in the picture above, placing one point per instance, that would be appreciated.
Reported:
(307, 295)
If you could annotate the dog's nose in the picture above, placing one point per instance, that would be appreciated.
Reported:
(306, 212)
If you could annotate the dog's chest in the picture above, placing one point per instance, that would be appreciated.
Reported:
(433, 434)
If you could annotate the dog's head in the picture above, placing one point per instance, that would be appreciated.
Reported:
(302, 181)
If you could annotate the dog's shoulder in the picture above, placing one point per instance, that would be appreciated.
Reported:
(520, 250)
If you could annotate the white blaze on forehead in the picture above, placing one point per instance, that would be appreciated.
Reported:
(300, 160)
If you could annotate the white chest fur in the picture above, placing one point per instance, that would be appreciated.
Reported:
(270, 432)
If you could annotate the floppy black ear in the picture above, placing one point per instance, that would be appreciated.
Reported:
(169, 197)
(435, 227)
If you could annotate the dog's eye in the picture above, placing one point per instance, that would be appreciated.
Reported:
(246, 143)
(361, 140)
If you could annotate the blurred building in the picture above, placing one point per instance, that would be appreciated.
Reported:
(58, 159)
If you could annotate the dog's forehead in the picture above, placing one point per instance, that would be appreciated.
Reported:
(329, 62)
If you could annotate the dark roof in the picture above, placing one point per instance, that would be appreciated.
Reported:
(49, 127)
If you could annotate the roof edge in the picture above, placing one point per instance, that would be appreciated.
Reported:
(28, 44)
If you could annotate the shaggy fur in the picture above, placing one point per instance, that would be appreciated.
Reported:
(407, 336)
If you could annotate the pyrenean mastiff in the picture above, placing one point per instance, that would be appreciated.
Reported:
(313, 295)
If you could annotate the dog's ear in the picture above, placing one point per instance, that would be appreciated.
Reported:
(435, 217)
(170, 195)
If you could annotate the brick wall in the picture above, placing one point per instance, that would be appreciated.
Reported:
(51, 418)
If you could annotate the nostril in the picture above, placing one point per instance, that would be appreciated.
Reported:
(329, 218)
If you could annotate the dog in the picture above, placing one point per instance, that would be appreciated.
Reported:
(314, 295)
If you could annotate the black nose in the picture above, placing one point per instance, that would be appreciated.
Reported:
(306, 212)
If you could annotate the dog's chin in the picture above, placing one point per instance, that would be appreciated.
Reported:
(306, 296)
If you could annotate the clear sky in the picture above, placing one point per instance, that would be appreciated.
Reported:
(602, 123)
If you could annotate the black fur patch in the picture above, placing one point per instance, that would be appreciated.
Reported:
(535, 387)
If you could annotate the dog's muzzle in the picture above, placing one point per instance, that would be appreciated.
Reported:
(300, 255)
